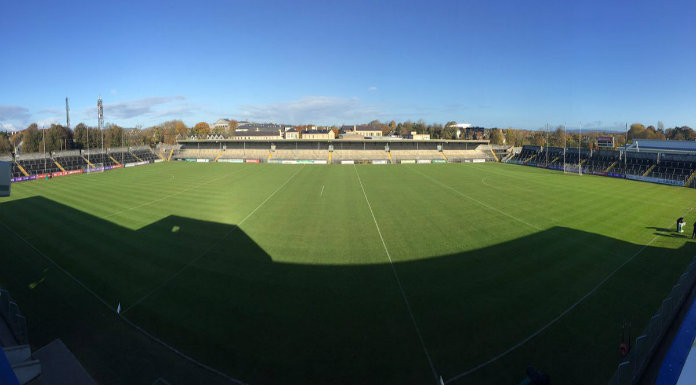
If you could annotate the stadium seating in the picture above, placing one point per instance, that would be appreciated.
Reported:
(145, 155)
(36, 165)
(71, 162)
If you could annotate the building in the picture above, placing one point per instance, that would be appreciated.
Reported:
(291, 133)
(259, 132)
(363, 130)
(221, 124)
(417, 136)
(318, 134)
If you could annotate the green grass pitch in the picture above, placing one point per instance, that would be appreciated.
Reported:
(341, 274)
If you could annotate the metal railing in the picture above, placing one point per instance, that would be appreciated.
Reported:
(9, 311)
(631, 369)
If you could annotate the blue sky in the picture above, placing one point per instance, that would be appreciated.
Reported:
(491, 63)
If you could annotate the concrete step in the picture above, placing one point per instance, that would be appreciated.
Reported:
(17, 354)
(27, 370)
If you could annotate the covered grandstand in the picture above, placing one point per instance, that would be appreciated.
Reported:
(659, 161)
(59, 163)
(338, 151)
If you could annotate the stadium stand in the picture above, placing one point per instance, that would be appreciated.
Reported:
(36, 164)
(70, 160)
(657, 161)
(144, 153)
(97, 157)
(121, 155)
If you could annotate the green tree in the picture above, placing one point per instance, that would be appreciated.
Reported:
(637, 131)
(497, 136)
(31, 139)
(5, 145)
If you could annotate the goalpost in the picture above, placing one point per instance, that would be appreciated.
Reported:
(95, 167)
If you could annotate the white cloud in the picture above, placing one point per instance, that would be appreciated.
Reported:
(50, 110)
(372, 89)
(46, 122)
(7, 127)
(134, 108)
(13, 113)
(312, 109)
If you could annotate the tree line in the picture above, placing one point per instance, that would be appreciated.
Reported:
(58, 137)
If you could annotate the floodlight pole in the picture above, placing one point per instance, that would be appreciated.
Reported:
(547, 145)
(579, 140)
(43, 135)
(565, 144)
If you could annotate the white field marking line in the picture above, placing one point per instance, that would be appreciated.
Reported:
(112, 309)
(167, 196)
(194, 260)
(478, 201)
(181, 354)
(483, 181)
(558, 317)
(322, 191)
(54, 263)
(398, 281)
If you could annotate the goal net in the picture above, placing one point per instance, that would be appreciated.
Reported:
(95, 167)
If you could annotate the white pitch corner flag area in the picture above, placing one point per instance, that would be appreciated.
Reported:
(5, 179)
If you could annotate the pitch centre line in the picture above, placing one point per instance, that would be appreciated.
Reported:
(398, 281)
(196, 259)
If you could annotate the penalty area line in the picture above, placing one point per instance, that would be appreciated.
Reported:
(398, 281)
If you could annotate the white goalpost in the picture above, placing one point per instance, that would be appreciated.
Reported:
(94, 167)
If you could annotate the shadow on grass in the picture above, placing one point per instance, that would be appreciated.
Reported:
(660, 229)
(231, 306)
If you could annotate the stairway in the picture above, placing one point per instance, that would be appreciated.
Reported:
(170, 155)
(649, 170)
(444, 156)
(19, 166)
(690, 179)
(611, 166)
(25, 367)
(88, 162)
(494, 155)
(136, 157)
(59, 166)
(218, 156)
(114, 160)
